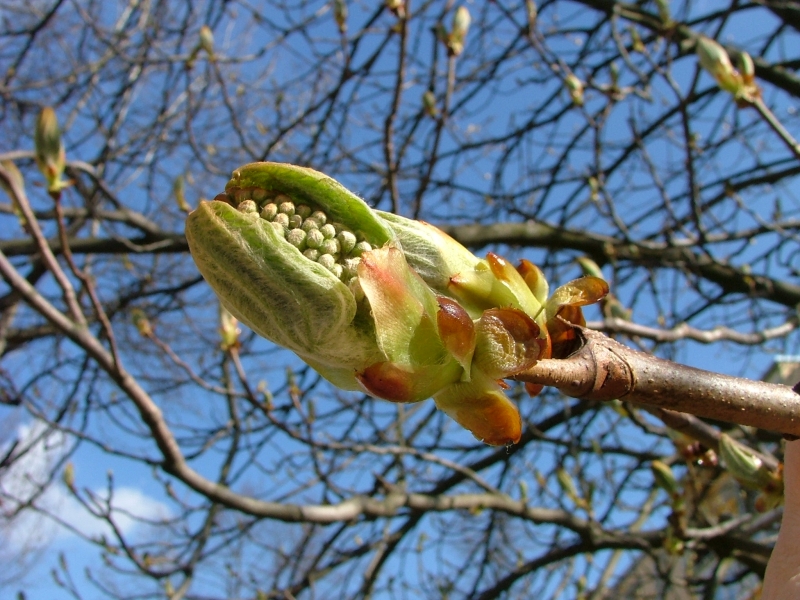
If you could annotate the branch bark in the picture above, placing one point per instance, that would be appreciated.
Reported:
(604, 369)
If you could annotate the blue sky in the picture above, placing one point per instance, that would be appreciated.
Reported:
(486, 113)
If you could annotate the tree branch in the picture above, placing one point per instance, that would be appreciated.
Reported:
(604, 369)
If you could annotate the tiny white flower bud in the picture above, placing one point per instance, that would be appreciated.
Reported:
(248, 206)
(286, 208)
(347, 241)
(327, 261)
(328, 231)
(283, 219)
(309, 224)
(269, 211)
(297, 238)
(314, 238)
(311, 254)
(360, 248)
(295, 222)
(320, 217)
(329, 247)
(303, 210)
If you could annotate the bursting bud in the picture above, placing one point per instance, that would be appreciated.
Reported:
(68, 476)
(665, 479)
(746, 467)
(141, 322)
(340, 15)
(567, 485)
(714, 59)
(275, 284)
(458, 35)
(15, 180)
(398, 7)
(664, 11)
(739, 82)
(50, 156)
(228, 330)
(575, 89)
(429, 104)
(207, 40)
(179, 190)
(637, 45)
(368, 298)
(533, 14)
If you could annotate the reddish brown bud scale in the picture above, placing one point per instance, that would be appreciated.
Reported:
(385, 380)
(533, 389)
(492, 418)
(456, 329)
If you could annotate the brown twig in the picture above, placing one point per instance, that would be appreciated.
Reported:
(603, 369)
(776, 125)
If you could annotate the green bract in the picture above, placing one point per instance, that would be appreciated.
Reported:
(371, 300)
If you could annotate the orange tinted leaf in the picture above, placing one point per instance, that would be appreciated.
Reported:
(483, 409)
(579, 292)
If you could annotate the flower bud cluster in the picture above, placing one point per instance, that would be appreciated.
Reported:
(320, 240)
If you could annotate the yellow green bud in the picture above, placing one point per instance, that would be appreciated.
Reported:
(15, 177)
(714, 59)
(745, 466)
(340, 15)
(429, 103)
(458, 35)
(664, 478)
(141, 322)
(575, 89)
(228, 330)
(50, 156)
(179, 190)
